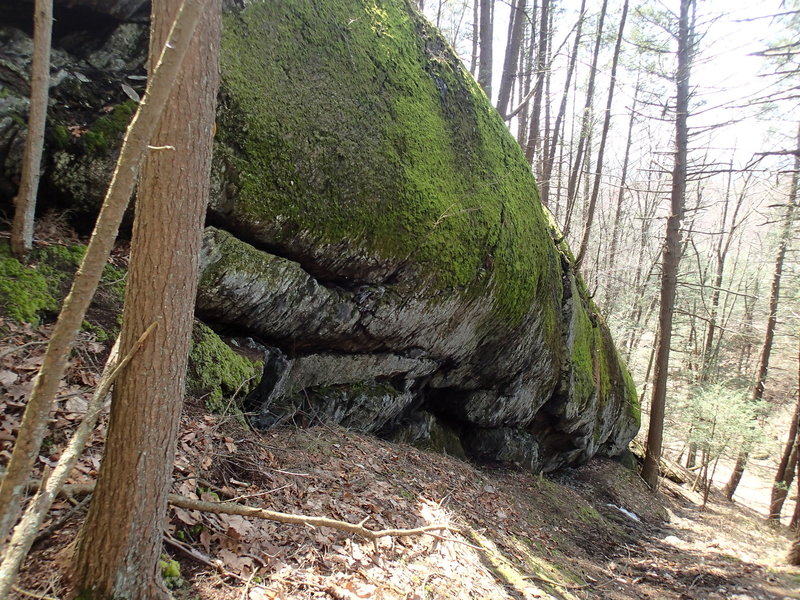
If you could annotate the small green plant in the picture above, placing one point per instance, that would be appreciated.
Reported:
(171, 572)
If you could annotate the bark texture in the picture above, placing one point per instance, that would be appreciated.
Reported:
(25, 202)
(119, 544)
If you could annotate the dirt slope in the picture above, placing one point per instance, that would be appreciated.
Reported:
(522, 536)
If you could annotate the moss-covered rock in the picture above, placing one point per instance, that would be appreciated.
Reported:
(35, 290)
(217, 373)
(383, 158)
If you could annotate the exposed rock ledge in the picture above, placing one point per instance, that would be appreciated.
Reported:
(378, 235)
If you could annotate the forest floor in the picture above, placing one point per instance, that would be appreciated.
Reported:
(591, 532)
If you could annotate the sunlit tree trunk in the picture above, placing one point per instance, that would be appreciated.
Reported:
(485, 35)
(25, 202)
(116, 553)
(671, 254)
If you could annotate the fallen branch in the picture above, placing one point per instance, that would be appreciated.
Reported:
(229, 508)
(566, 586)
(26, 531)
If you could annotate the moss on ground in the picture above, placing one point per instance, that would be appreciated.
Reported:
(218, 373)
(355, 121)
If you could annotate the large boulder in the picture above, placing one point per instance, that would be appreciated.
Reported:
(376, 237)
(379, 230)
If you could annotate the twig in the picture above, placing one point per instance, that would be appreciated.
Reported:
(230, 508)
(16, 349)
(565, 586)
(200, 557)
(19, 590)
(48, 531)
(358, 529)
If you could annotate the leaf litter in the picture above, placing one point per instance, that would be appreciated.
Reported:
(521, 535)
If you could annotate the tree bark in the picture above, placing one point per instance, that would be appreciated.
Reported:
(598, 170)
(533, 141)
(473, 59)
(25, 202)
(34, 423)
(784, 474)
(486, 35)
(671, 254)
(118, 546)
(772, 318)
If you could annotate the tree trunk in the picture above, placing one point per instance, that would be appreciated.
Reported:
(473, 59)
(486, 35)
(118, 546)
(793, 557)
(25, 202)
(541, 69)
(772, 318)
(573, 184)
(671, 255)
(134, 146)
(549, 155)
(516, 29)
(623, 181)
(785, 472)
(598, 171)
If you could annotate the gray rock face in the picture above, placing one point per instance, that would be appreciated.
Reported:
(376, 232)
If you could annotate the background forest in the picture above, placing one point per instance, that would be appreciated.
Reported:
(588, 89)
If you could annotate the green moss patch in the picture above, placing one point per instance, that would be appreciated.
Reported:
(218, 373)
(353, 122)
(35, 290)
(107, 131)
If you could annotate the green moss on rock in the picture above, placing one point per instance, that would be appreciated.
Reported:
(107, 131)
(25, 291)
(353, 120)
(218, 373)
(31, 291)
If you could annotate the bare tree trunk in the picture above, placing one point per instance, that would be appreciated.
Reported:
(598, 171)
(486, 35)
(623, 180)
(772, 319)
(473, 59)
(118, 546)
(671, 256)
(25, 202)
(516, 30)
(785, 472)
(34, 423)
(573, 184)
(541, 69)
(793, 557)
(549, 155)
